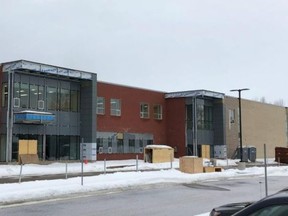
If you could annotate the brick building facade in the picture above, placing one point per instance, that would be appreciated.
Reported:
(60, 107)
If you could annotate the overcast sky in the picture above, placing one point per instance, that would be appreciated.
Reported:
(166, 45)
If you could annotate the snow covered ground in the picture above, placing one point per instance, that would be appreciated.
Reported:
(41, 189)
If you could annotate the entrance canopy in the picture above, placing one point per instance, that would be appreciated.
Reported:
(23, 65)
(33, 117)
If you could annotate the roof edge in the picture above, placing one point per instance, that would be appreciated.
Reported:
(195, 93)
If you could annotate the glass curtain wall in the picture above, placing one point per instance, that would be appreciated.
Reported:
(199, 123)
(50, 98)
(62, 147)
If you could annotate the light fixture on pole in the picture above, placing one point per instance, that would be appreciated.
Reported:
(240, 120)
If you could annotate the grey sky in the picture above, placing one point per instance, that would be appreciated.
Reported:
(166, 45)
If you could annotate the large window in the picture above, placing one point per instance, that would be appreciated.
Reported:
(131, 145)
(64, 100)
(24, 95)
(33, 96)
(204, 117)
(62, 147)
(74, 148)
(115, 106)
(28, 96)
(120, 146)
(144, 110)
(51, 98)
(157, 112)
(189, 116)
(100, 105)
(41, 104)
(74, 100)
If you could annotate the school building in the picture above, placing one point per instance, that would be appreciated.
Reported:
(57, 108)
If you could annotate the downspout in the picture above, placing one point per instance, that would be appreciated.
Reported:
(195, 143)
(9, 116)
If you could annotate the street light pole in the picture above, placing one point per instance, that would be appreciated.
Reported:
(240, 120)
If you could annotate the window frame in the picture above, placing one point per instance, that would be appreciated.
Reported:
(74, 101)
(65, 99)
(115, 107)
(33, 96)
(52, 101)
(24, 95)
(158, 111)
(100, 109)
(132, 145)
(144, 110)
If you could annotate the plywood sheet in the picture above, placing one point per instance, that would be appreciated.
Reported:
(205, 151)
(28, 159)
(23, 147)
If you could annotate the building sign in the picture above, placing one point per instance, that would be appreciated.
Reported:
(89, 151)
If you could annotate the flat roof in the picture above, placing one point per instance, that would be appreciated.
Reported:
(45, 68)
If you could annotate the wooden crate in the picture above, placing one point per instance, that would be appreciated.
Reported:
(209, 169)
(191, 164)
(212, 169)
(158, 154)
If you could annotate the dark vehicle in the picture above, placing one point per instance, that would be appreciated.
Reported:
(274, 205)
(229, 209)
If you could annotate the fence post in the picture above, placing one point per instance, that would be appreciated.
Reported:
(137, 163)
(171, 161)
(20, 175)
(105, 166)
(66, 170)
(265, 166)
(82, 160)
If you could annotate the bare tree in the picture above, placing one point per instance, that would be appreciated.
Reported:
(263, 100)
(279, 102)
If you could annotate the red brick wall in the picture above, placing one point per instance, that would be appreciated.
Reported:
(130, 120)
(176, 125)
